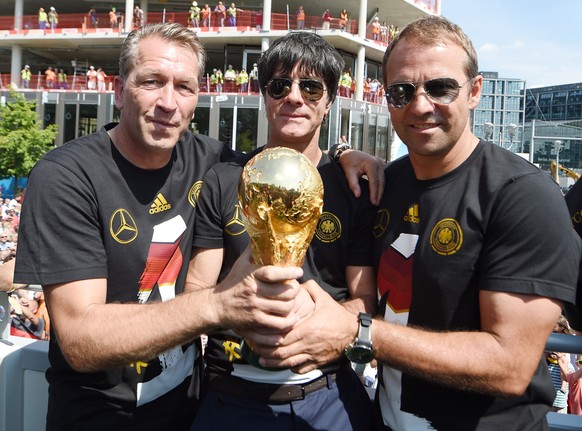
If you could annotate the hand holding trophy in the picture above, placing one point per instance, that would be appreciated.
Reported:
(281, 196)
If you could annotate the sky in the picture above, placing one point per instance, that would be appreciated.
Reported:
(534, 40)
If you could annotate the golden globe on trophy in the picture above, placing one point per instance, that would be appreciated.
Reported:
(281, 197)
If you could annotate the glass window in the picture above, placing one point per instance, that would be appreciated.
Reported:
(87, 119)
(201, 122)
(382, 149)
(246, 129)
(371, 134)
(225, 125)
(357, 130)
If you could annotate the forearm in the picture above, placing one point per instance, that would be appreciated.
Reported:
(473, 361)
(109, 335)
(364, 304)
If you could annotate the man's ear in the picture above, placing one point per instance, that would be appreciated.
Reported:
(118, 86)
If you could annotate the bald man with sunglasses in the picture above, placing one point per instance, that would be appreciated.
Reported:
(475, 257)
(298, 76)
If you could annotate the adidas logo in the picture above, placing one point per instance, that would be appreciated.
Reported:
(412, 214)
(160, 204)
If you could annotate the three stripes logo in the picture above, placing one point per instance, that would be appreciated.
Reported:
(412, 214)
(159, 205)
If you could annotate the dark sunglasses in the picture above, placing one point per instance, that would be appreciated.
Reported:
(311, 89)
(440, 90)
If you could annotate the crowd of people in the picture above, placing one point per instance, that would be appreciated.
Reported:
(442, 236)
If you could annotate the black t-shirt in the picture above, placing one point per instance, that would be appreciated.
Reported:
(342, 238)
(89, 213)
(494, 223)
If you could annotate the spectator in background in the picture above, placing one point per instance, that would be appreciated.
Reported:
(91, 78)
(42, 313)
(25, 77)
(326, 20)
(376, 29)
(220, 12)
(229, 79)
(137, 17)
(24, 320)
(344, 19)
(205, 14)
(575, 388)
(194, 15)
(345, 86)
(62, 80)
(300, 18)
(113, 21)
(243, 79)
(101, 75)
(53, 18)
(50, 77)
(559, 367)
(254, 79)
(92, 18)
(384, 32)
(42, 19)
(5, 243)
(232, 11)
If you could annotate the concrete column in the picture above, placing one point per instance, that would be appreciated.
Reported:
(15, 65)
(18, 10)
(363, 18)
(128, 24)
(144, 8)
(267, 15)
(360, 69)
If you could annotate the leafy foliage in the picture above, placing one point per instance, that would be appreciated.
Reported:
(22, 139)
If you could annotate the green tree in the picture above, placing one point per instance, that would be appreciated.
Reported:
(22, 139)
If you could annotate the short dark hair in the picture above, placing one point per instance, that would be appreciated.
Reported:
(309, 51)
(432, 30)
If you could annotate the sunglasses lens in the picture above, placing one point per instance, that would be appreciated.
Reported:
(400, 95)
(442, 90)
(279, 87)
(311, 89)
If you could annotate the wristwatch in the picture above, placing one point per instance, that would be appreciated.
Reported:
(360, 351)
(336, 151)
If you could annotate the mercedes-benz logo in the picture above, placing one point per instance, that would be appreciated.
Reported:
(122, 226)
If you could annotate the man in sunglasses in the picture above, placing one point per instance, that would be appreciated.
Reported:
(475, 257)
(298, 76)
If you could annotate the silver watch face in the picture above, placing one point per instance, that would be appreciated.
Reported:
(360, 354)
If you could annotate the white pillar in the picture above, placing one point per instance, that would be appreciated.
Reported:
(18, 10)
(15, 65)
(360, 66)
(363, 18)
(128, 25)
(267, 16)
(361, 59)
(144, 8)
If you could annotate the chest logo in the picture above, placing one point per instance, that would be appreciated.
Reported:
(122, 226)
(160, 204)
(446, 237)
(381, 223)
(194, 193)
(329, 228)
(412, 214)
(236, 225)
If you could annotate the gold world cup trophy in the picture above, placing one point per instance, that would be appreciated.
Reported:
(281, 197)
